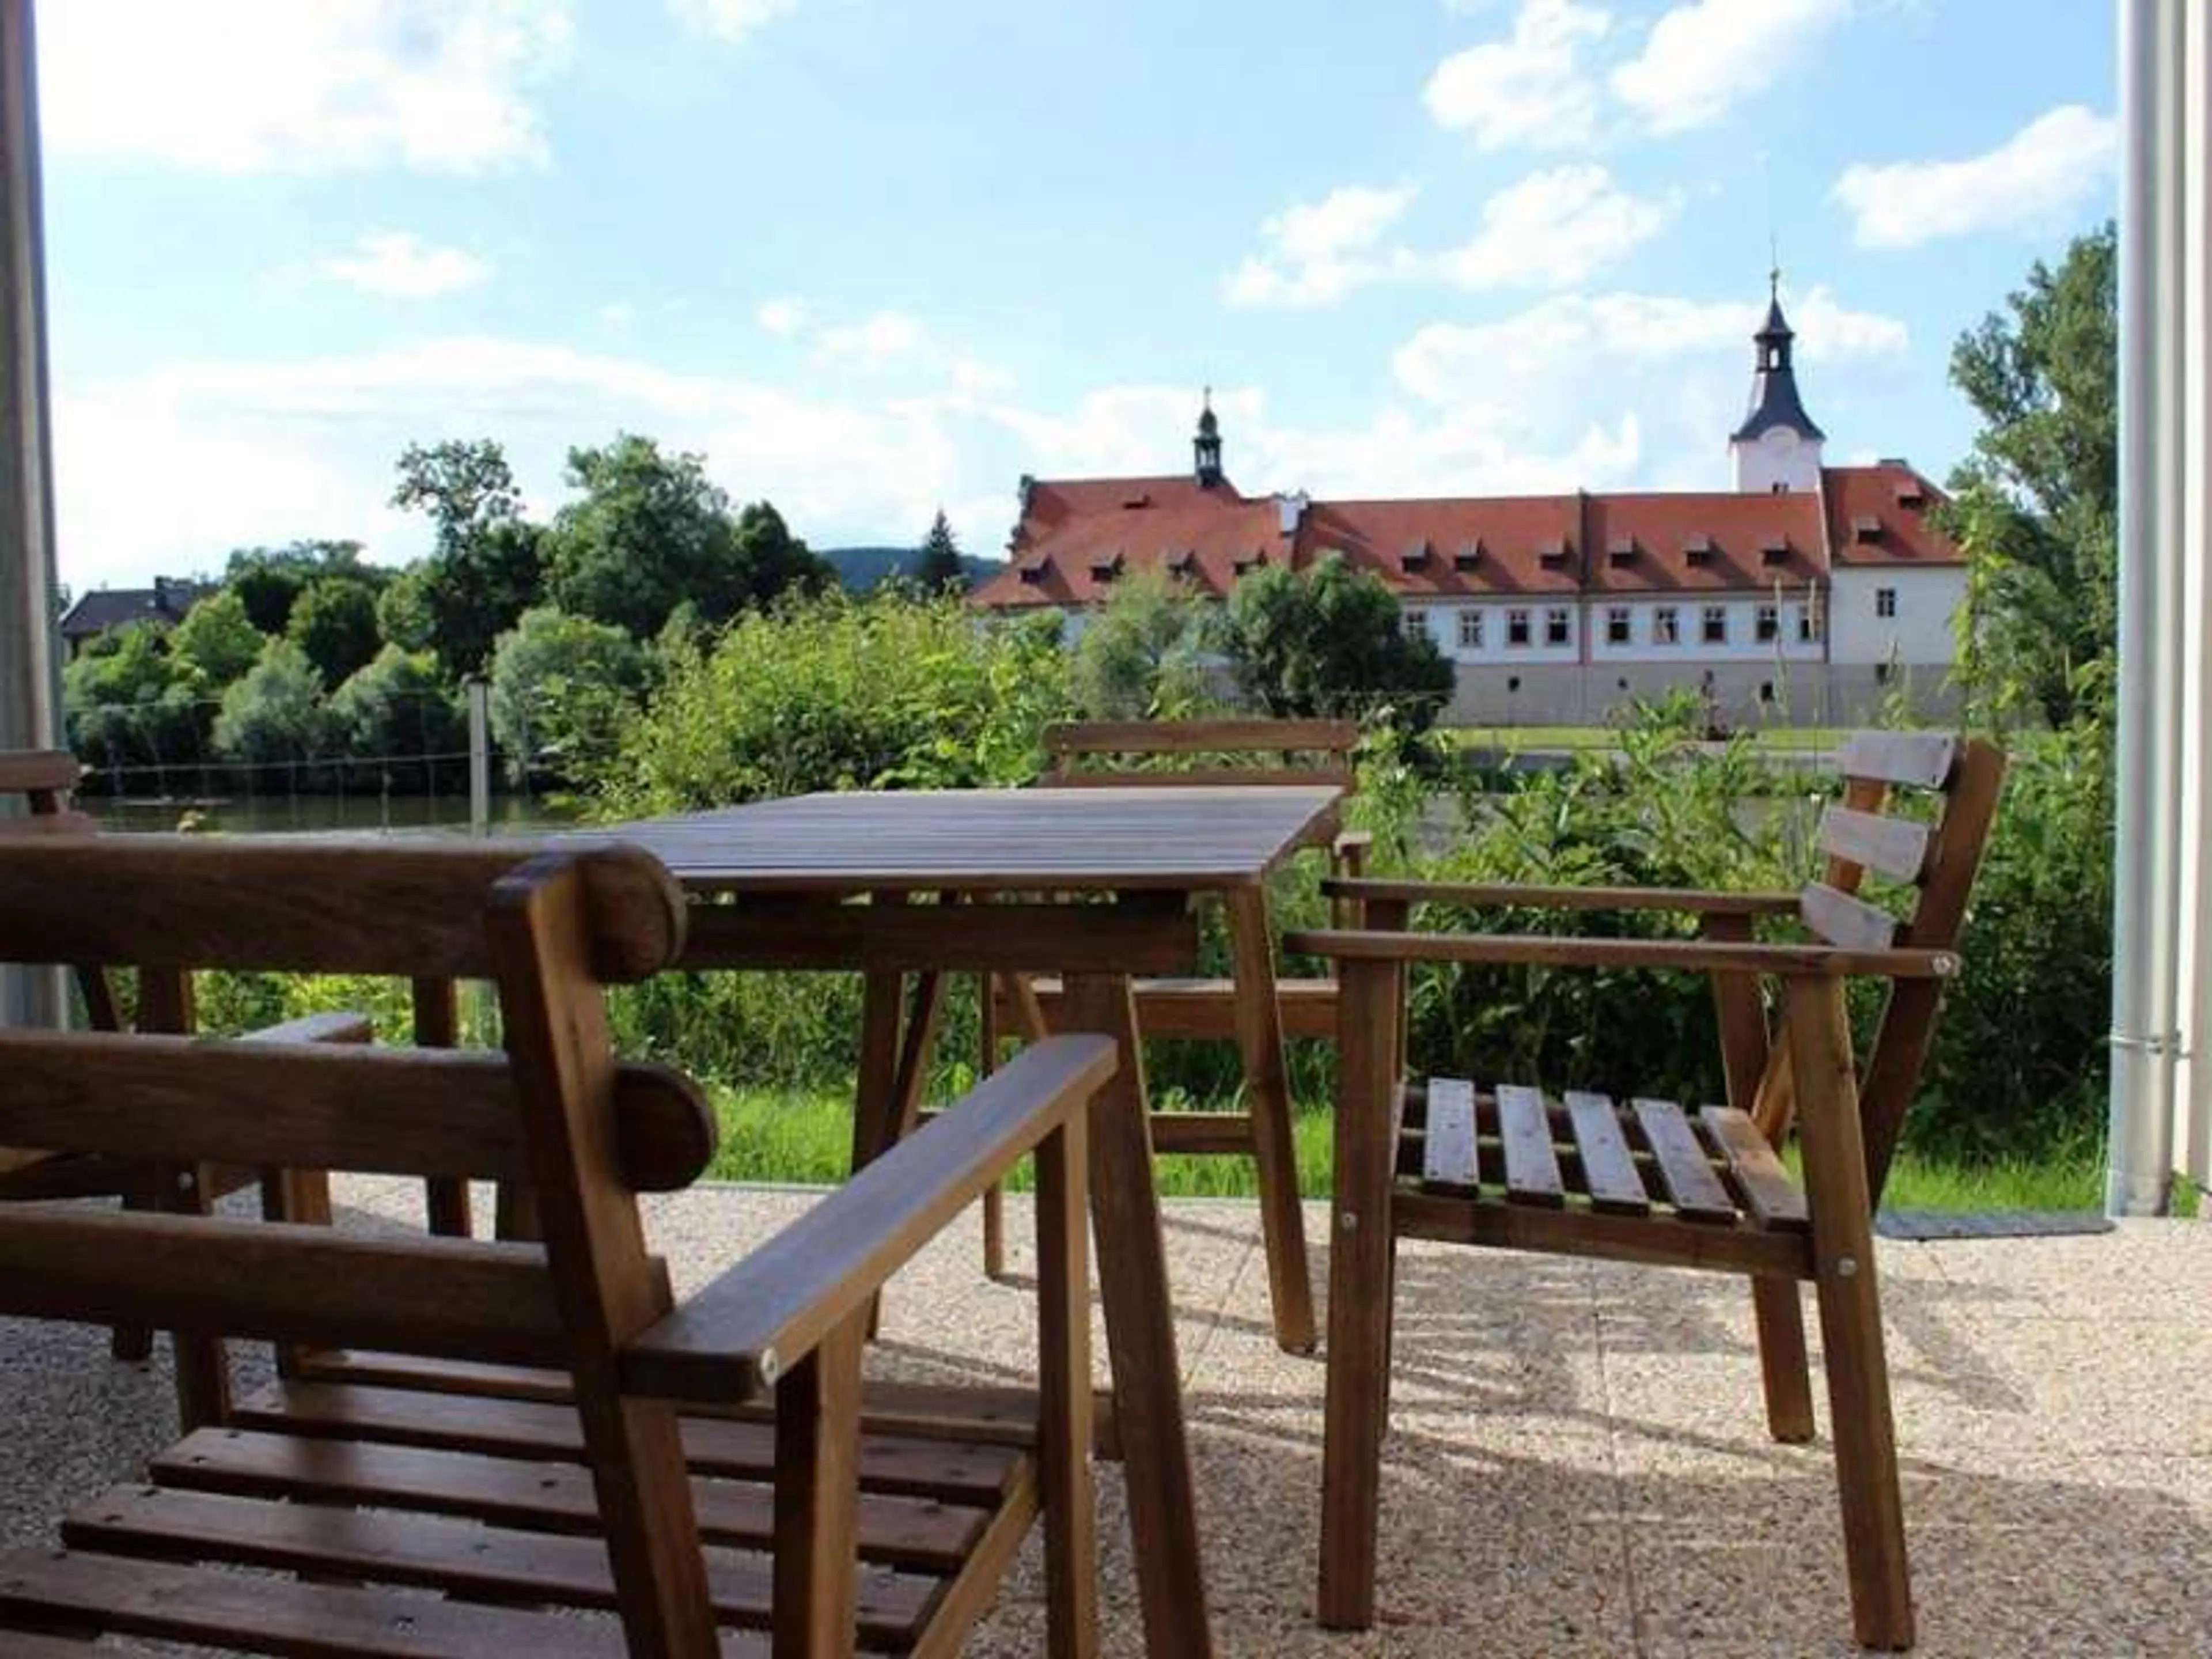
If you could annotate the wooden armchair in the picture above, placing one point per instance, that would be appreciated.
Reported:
(1575, 1174)
(1132, 754)
(539, 1435)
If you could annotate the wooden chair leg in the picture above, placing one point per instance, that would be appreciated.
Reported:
(1850, 1315)
(995, 1197)
(817, 1498)
(1063, 1429)
(1784, 1371)
(1360, 1251)
(133, 1345)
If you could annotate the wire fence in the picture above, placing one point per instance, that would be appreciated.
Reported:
(402, 764)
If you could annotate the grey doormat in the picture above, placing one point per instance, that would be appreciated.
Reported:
(1921, 1226)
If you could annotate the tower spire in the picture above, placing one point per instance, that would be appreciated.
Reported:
(1206, 447)
(1777, 446)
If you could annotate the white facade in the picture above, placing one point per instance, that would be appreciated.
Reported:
(1704, 628)
(1546, 629)
(1888, 613)
(1779, 459)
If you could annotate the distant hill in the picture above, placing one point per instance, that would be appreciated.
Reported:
(860, 568)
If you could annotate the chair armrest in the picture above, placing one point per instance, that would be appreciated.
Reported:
(1347, 853)
(1509, 896)
(317, 1028)
(1687, 954)
(737, 1336)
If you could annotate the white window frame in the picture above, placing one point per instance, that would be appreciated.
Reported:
(1517, 623)
(1767, 626)
(1470, 628)
(1619, 625)
(1884, 602)
(1558, 626)
(1413, 622)
(1667, 625)
(1712, 625)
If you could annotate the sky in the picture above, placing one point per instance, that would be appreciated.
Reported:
(875, 257)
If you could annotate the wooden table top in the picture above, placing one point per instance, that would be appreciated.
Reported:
(978, 840)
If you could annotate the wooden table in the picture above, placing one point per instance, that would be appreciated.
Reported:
(1094, 885)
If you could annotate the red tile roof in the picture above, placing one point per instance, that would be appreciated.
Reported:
(1079, 537)
(1449, 547)
(1879, 515)
(1704, 543)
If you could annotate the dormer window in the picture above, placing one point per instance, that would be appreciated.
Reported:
(1866, 528)
(1415, 557)
(1469, 557)
(1552, 554)
(1181, 561)
(1620, 551)
(1106, 570)
(1034, 572)
(1774, 550)
(1133, 502)
(1245, 566)
(1698, 549)
(1911, 493)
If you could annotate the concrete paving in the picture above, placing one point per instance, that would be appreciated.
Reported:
(1576, 1466)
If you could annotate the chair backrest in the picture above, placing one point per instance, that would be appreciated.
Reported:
(1091, 754)
(1928, 863)
(44, 778)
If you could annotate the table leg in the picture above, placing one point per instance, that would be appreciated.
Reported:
(1140, 1340)
(876, 1091)
(1267, 1097)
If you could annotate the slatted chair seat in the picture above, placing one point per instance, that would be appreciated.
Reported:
(479, 1450)
(1644, 1179)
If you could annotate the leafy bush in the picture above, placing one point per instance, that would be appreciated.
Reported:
(564, 689)
(885, 692)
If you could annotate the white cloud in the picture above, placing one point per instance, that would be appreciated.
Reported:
(2047, 171)
(1529, 89)
(1556, 227)
(731, 20)
(883, 340)
(783, 316)
(1318, 252)
(399, 265)
(300, 85)
(1704, 56)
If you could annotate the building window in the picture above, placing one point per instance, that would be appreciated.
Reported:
(1665, 626)
(1768, 627)
(1557, 626)
(1517, 627)
(1808, 622)
(1413, 624)
(1885, 602)
(1470, 630)
(1714, 629)
(1616, 625)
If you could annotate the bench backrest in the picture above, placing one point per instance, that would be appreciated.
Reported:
(1928, 861)
(1091, 754)
(45, 779)
(556, 1110)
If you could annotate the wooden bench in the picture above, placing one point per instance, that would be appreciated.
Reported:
(534, 1435)
(1638, 1179)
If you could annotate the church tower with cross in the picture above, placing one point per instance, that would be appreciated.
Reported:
(1776, 450)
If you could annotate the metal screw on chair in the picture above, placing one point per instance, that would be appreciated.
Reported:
(1347, 1222)
(1847, 1266)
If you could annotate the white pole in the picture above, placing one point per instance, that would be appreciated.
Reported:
(2146, 863)
(479, 696)
(2190, 1143)
(28, 667)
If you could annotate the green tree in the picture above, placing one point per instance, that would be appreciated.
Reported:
(940, 565)
(397, 706)
(564, 689)
(1139, 657)
(270, 580)
(652, 531)
(465, 485)
(129, 704)
(485, 570)
(276, 714)
(1328, 640)
(216, 642)
(2036, 506)
(334, 622)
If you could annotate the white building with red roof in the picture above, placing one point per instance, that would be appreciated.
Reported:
(1807, 593)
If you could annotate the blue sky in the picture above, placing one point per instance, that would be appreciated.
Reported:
(872, 255)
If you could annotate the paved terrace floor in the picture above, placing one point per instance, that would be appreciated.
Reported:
(1576, 1465)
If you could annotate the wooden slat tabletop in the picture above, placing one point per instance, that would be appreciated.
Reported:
(978, 840)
